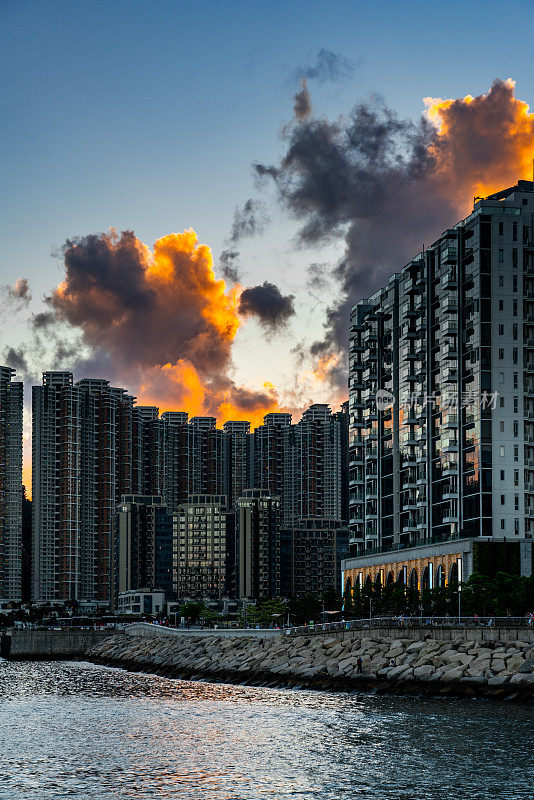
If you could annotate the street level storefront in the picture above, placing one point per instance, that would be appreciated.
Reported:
(438, 564)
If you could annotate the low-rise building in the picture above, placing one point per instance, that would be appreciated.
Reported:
(141, 601)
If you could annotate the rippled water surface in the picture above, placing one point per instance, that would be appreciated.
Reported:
(72, 730)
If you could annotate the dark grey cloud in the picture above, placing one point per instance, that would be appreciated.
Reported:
(268, 304)
(229, 264)
(362, 178)
(249, 220)
(389, 185)
(302, 106)
(328, 66)
(16, 358)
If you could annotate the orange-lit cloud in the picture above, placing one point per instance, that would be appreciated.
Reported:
(157, 321)
(484, 143)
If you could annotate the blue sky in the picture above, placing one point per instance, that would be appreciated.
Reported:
(148, 116)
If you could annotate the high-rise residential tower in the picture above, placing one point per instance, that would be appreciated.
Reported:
(236, 459)
(441, 387)
(82, 465)
(258, 519)
(10, 486)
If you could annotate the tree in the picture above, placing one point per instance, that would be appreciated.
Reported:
(266, 612)
(192, 610)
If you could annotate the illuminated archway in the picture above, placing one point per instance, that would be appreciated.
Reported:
(414, 579)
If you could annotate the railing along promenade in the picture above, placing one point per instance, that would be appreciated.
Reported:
(442, 627)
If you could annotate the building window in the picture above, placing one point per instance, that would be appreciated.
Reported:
(514, 308)
(516, 429)
(501, 228)
(514, 231)
(516, 452)
(514, 257)
(516, 526)
(514, 355)
(514, 283)
(516, 405)
(501, 305)
(516, 502)
(503, 524)
(501, 280)
(502, 474)
(502, 451)
(501, 426)
(516, 380)
(501, 374)
(501, 354)
(501, 401)
(501, 330)
(515, 331)
(516, 477)
(501, 256)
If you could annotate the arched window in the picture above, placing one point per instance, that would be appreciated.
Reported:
(390, 579)
(414, 579)
(453, 574)
(440, 577)
(426, 578)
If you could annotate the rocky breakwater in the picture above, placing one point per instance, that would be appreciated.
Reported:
(457, 667)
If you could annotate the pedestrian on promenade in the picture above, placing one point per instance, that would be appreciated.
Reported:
(359, 665)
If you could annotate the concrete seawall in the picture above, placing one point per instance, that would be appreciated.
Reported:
(397, 663)
(34, 645)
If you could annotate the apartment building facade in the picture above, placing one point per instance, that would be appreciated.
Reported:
(82, 464)
(441, 401)
(203, 548)
(258, 565)
(10, 485)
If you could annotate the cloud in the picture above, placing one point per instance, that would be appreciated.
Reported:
(19, 294)
(327, 66)
(155, 320)
(388, 185)
(302, 106)
(228, 262)
(249, 220)
(15, 358)
(268, 304)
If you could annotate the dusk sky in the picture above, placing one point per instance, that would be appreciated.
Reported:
(149, 117)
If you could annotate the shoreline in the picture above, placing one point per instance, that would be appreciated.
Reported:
(474, 688)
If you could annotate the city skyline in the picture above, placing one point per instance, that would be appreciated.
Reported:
(290, 205)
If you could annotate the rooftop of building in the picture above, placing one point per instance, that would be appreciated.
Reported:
(492, 201)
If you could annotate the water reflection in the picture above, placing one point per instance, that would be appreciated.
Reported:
(70, 730)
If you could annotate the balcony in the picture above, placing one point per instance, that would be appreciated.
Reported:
(450, 446)
(449, 256)
(449, 281)
(450, 304)
(451, 351)
(450, 375)
(450, 469)
(450, 329)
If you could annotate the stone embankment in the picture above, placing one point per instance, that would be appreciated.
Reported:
(458, 667)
